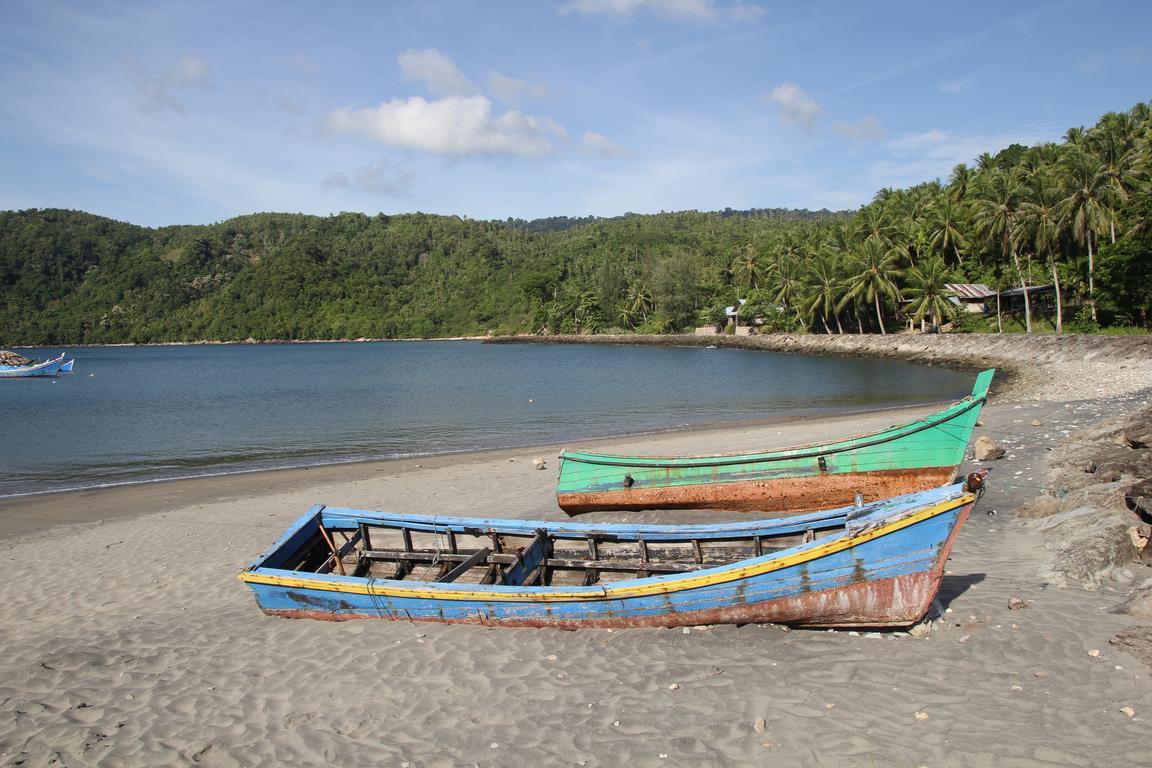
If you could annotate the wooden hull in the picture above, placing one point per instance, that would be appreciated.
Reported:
(48, 368)
(787, 495)
(882, 570)
(903, 459)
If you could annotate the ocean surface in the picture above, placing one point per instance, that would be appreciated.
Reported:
(137, 414)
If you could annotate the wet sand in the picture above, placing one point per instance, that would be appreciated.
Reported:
(128, 640)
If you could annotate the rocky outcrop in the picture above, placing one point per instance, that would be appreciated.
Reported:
(1096, 525)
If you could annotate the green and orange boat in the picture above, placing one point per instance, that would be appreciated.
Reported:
(904, 459)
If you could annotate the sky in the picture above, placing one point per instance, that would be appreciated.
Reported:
(190, 112)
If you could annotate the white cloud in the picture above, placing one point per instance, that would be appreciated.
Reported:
(438, 72)
(866, 129)
(957, 86)
(157, 90)
(381, 177)
(916, 157)
(457, 126)
(795, 106)
(682, 10)
(510, 89)
(600, 144)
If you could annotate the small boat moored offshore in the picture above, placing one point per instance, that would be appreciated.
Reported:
(46, 368)
(875, 565)
(915, 456)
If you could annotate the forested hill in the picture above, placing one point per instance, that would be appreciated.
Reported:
(72, 277)
(1068, 223)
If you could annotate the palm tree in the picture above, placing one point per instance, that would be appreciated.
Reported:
(874, 274)
(944, 224)
(959, 183)
(1114, 142)
(1084, 209)
(638, 301)
(1038, 228)
(824, 290)
(994, 209)
(747, 268)
(927, 292)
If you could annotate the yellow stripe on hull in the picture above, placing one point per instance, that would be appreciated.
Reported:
(397, 589)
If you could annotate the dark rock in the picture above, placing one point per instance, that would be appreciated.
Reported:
(1136, 641)
(1138, 498)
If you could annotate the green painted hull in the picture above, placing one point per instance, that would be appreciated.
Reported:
(915, 456)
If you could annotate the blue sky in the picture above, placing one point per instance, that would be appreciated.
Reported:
(171, 112)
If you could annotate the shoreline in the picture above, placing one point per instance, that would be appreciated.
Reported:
(28, 513)
(132, 642)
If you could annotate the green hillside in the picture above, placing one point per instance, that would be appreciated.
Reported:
(1075, 214)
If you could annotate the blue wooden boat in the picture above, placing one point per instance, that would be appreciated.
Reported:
(66, 367)
(873, 565)
(46, 368)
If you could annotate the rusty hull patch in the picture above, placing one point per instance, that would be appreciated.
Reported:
(791, 495)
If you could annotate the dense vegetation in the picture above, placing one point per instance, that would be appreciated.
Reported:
(1075, 214)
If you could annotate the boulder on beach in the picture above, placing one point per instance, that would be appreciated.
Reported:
(986, 449)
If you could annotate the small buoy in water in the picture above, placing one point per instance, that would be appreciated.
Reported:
(530, 400)
(91, 375)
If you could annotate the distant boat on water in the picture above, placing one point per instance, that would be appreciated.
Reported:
(66, 367)
(912, 457)
(46, 368)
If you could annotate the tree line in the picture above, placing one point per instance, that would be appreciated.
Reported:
(1074, 214)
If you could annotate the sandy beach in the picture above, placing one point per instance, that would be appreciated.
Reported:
(129, 641)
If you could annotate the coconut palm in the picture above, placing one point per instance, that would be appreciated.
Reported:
(1084, 211)
(959, 182)
(944, 234)
(873, 275)
(994, 209)
(825, 287)
(638, 301)
(927, 292)
(748, 269)
(1037, 226)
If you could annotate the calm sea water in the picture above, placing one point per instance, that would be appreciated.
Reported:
(134, 414)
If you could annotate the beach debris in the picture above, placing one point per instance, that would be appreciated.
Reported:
(986, 449)
(1017, 688)
(759, 725)
(674, 687)
(686, 631)
(923, 629)
(1094, 653)
(552, 657)
(11, 358)
(1016, 603)
(769, 744)
(1037, 423)
(539, 463)
(1128, 711)
(921, 715)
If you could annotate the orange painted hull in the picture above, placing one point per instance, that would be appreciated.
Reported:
(781, 496)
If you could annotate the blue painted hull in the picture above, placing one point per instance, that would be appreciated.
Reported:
(882, 569)
(48, 368)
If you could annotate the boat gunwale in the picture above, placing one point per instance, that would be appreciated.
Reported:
(782, 454)
(866, 528)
